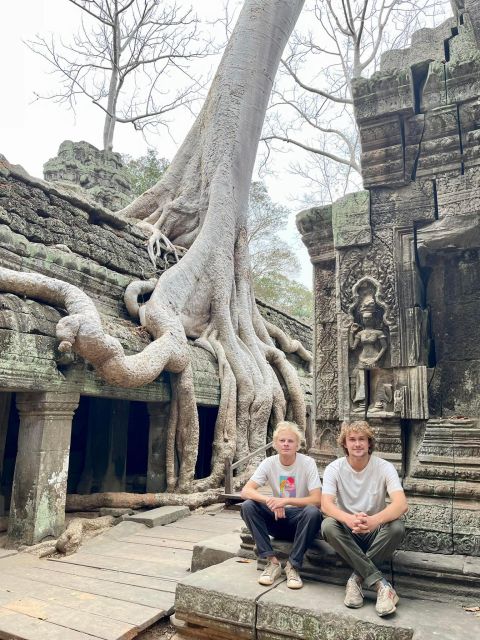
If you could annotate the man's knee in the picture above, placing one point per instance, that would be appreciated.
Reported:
(312, 514)
(248, 508)
(330, 527)
(396, 530)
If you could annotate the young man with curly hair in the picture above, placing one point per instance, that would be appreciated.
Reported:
(358, 524)
(292, 513)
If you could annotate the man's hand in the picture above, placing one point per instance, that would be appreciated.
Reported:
(276, 503)
(279, 513)
(364, 523)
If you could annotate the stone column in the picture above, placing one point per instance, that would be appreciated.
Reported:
(157, 444)
(39, 491)
(5, 399)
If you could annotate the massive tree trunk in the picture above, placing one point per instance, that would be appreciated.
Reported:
(201, 205)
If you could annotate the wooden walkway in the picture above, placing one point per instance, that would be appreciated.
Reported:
(115, 586)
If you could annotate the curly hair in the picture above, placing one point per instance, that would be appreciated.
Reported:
(358, 426)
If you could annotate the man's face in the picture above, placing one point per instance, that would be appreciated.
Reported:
(286, 442)
(356, 444)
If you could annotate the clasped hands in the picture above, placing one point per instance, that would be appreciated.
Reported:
(277, 505)
(362, 523)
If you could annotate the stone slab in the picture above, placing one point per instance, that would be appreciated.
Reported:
(318, 608)
(215, 550)
(5, 553)
(221, 595)
(225, 601)
(160, 516)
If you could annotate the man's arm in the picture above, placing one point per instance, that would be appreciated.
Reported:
(249, 492)
(361, 522)
(329, 508)
(314, 497)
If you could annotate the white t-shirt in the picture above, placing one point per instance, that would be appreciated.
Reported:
(361, 491)
(295, 481)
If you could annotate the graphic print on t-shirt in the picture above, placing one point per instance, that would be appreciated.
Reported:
(287, 487)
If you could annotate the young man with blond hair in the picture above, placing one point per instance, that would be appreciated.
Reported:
(358, 524)
(292, 513)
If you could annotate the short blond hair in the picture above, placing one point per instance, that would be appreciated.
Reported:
(358, 426)
(285, 425)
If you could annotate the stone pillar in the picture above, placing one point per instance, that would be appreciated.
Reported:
(106, 456)
(157, 445)
(39, 491)
(5, 399)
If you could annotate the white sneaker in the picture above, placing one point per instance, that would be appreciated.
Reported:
(271, 572)
(293, 579)
(386, 600)
(353, 594)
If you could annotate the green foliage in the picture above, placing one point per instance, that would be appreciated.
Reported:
(269, 254)
(273, 261)
(145, 171)
(288, 295)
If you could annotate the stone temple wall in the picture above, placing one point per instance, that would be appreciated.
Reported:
(397, 284)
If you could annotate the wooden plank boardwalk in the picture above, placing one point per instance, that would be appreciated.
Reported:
(116, 585)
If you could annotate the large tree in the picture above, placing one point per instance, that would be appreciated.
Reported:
(124, 58)
(201, 204)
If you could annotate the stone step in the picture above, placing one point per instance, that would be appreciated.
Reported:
(419, 575)
(225, 602)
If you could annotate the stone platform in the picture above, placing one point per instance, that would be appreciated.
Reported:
(432, 576)
(225, 602)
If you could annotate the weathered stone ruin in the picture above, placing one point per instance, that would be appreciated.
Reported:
(100, 174)
(397, 297)
(62, 428)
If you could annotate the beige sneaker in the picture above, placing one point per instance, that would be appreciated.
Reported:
(293, 579)
(271, 572)
(353, 594)
(386, 600)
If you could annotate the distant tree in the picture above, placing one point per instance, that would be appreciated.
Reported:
(269, 254)
(145, 171)
(286, 294)
(273, 261)
(124, 58)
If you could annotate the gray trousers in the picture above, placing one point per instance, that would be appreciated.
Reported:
(363, 552)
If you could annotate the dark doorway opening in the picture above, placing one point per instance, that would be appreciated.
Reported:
(7, 467)
(207, 417)
(137, 447)
(78, 444)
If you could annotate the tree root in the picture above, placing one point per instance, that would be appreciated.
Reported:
(76, 530)
(287, 345)
(77, 502)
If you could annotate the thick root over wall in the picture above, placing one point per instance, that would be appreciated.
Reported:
(201, 205)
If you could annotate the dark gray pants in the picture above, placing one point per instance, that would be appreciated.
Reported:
(300, 525)
(363, 552)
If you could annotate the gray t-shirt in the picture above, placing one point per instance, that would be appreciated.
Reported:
(295, 481)
(361, 491)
